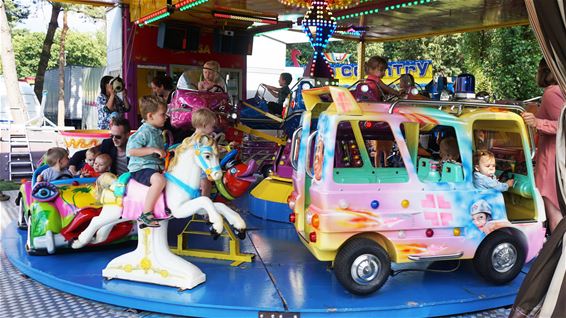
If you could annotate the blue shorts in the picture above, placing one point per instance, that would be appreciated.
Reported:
(143, 176)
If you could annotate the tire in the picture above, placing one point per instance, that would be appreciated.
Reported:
(500, 258)
(22, 214)
(362, 266)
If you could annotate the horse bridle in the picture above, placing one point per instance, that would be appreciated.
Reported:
(194, 193)
(206, 167)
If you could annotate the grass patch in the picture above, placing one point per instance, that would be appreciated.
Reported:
(6, 185)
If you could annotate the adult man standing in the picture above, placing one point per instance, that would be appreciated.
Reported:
(115, 146)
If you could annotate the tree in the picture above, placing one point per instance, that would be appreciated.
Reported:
(84, 49)
(46, 50)
(61, 103)
(87, 12)
(9, 65)
(15, 12)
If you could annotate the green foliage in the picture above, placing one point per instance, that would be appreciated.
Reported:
(6, 185)
(83, 49)
(15, 12)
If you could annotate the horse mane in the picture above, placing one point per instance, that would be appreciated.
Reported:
(190, 142)
(103, 182)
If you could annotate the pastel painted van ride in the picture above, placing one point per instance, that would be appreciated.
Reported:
(369, 189)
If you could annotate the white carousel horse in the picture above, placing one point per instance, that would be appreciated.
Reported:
(152, 261)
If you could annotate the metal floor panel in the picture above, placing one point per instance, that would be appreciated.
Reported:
(24, 297)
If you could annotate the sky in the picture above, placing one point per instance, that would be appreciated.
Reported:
(40, 13)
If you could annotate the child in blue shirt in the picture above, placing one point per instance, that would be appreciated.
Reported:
(145, 149)
(484, 174)
(58, 160)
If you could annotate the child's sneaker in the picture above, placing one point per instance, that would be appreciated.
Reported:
(148, 220)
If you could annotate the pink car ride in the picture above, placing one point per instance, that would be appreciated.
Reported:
(369, 189)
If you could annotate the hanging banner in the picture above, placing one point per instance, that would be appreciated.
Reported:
(420, 69)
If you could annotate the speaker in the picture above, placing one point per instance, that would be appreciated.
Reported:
(178, 37)
(232, 42)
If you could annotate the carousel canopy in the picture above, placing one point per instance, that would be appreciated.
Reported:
(377, 20)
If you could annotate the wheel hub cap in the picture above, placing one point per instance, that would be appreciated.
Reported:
(365, 268)
(504, 257)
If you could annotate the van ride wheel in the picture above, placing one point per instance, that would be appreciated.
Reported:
(500, 258)
(362, 266)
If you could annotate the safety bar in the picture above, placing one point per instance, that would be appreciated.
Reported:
(308, 159)
(294, 148)
(460, 105)
(453, 104)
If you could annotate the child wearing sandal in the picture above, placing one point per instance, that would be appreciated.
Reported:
(145, 149)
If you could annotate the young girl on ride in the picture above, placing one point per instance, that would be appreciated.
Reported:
(212, 81)
(204, 120)
(484, 174)
(375, 70)
(58, 160)
(145, 149)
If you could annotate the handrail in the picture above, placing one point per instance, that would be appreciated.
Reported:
(294, 148)
(461, 105)
(308, 161)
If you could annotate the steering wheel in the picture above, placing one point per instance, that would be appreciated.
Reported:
(216, 89)
(506, 175)
(231, 155)
(192, 86)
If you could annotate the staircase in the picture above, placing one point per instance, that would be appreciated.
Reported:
(20, 163)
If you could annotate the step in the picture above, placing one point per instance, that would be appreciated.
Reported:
(18, 144)
(20, 163)
(21, 155)
(21, 173)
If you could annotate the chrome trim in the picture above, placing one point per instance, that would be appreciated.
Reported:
(293, 148)
(307, 160)
(436, 257)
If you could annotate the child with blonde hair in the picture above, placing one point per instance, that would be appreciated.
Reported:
(102, 164)
(58, 160)
(146, 151)
(204, 120)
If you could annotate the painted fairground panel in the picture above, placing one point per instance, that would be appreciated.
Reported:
(402, 185)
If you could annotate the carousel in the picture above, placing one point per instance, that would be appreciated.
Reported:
(263, 245)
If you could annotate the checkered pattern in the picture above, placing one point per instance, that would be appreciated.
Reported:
(23, 297)
(495, 313)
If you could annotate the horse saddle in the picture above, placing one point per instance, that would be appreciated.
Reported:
(134, 201)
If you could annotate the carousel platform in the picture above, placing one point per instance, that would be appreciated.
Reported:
(283, 280)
